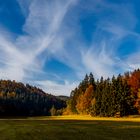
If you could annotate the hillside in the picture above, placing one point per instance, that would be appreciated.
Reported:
(19, 99)
(64, 98)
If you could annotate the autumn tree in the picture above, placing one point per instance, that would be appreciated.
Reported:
(134, 81)
(84, 101)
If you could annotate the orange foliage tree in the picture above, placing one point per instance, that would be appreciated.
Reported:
(134, 81)
(84, 101)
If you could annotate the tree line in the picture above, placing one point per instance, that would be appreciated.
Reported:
(116, 96)
(24, 100)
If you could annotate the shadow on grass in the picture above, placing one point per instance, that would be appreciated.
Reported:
(13, 117)
(69, 129)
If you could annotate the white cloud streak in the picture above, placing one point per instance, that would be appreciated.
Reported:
(103, 55)
(46, 30)
(57, 88)
(42, 24)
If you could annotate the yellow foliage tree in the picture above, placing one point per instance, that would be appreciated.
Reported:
(84, 101)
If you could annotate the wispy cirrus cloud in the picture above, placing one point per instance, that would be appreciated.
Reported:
(103, 57)
(19, 57)
(57, 88)
(53, 29)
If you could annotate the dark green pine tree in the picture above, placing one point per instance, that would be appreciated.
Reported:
(104, 100)
(95, 109)
(73, 100)
(127, 100)
(100, 94)
(91, 80)
(108, 97)
(84, 84)
(113, 94)
(119, 90)
(124, 99)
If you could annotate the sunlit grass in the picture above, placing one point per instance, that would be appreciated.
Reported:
(87, 117)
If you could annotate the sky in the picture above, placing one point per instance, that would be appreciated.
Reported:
(52, 44)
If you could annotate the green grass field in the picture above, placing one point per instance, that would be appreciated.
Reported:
(70, 128)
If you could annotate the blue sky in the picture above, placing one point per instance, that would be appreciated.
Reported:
(54, 43)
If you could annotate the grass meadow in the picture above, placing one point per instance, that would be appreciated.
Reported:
(70, 128)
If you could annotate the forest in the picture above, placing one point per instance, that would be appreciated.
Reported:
(117, 96)
(112, 97)
(17, 99)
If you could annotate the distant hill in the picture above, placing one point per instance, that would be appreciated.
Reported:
(20, 99)
(64, 98)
